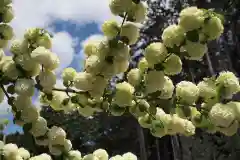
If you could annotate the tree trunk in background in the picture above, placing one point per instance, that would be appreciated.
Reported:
(143, 152)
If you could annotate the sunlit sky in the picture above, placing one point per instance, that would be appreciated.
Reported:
(72, 22)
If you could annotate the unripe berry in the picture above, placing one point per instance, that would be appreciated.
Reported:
(207, 89)
(213, 28)
(231, 130)
(57, 135)
(89, 157)
(67, 145)
(46, 58)
(158, 129)
(74, 155)
(155, 53)
(44, 41)
(9, 68)
(6, 31)
(129, 156)
(54, 150)
(142, 64)
(189, 128)
(10, 150)
(154, 81)
(191, 18)
(47, 79)
(3, 43)
(172, 65)
(228, 82)
(23, 153)
(222, 115)
(93, 64)
(101, 154)
(30, 114)
(86, 111)
(90, 48)
(5, 2)
(83, 81)
(124, 94)
(117, 157)
(138, 12)
(2, 95)
(110, 28)
(39, 127)
(98, 87)
(187, 92)
(144, 121)
(118, 7)
(173, 35)
(168, 89)
(195, 50)
(24, 87)
(68, 74)
(7, 14)
(134, 76)
(131, 32)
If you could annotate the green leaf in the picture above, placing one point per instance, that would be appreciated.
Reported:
(124, 39)
(152, 110)
(74, 99)
(193, 36)
(113, 43)
(159, 67)
(109, 59)
(65, 101)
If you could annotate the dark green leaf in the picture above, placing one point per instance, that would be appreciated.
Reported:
(11, 89)
(193, 36)
(27, 127)
(124, 39)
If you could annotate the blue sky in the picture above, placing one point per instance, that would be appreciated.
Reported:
(72, 23)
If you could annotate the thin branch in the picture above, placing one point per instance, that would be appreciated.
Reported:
(209, 62)
(5, 92)
(68, 90)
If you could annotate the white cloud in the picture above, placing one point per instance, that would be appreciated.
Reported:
(31, 13)
(63, 45)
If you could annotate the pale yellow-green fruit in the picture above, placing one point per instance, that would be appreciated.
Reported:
(7, 14)
(131, 32)
(222, 115)
(154, 81)
(187, 92)
(124, 94)
(6, 31)
(110, 28)
(173, 35)
(118, 7)
(138, 12)
(191, 18)
(172, 65)
(213, 28)
(155, 53)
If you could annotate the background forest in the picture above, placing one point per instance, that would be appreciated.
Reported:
(121, 134)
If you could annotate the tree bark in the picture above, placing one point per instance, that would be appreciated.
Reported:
(143, 152)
